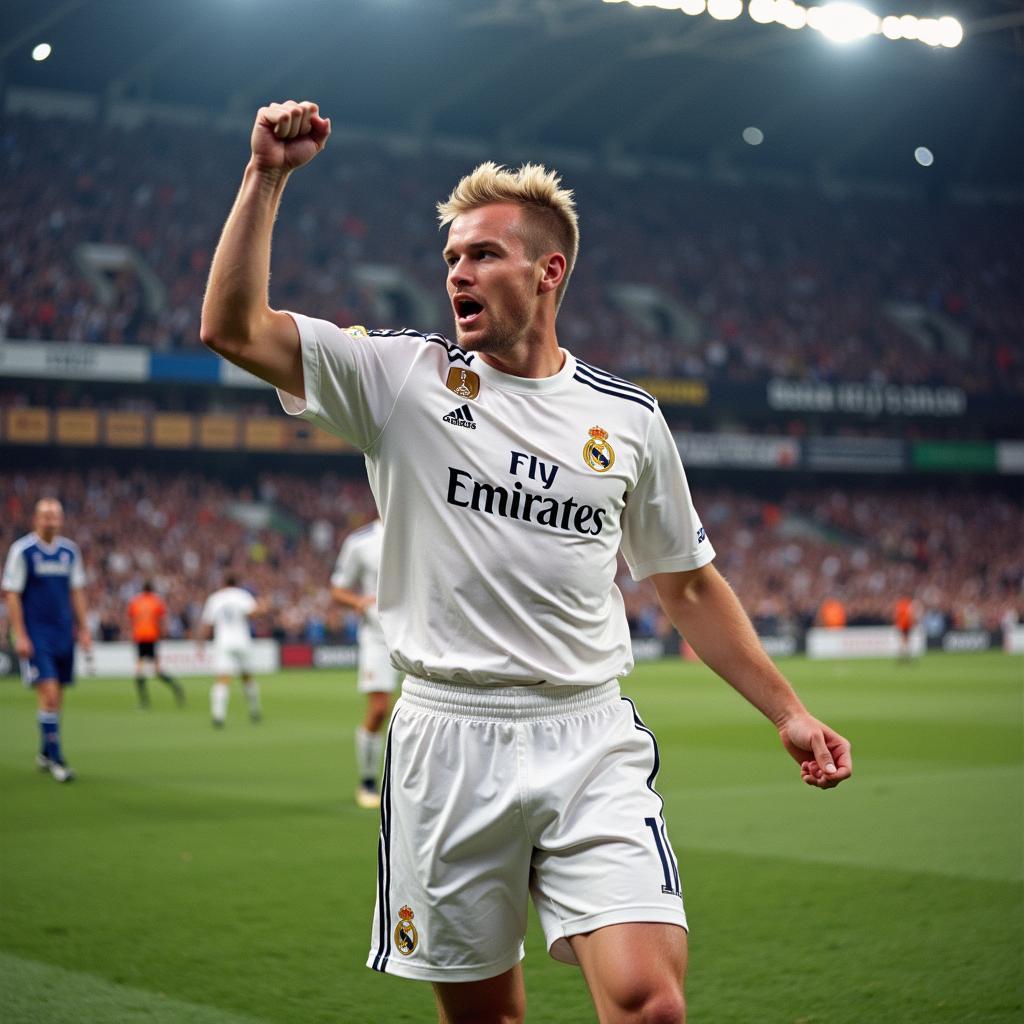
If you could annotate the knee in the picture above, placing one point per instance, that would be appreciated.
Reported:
(663, 1005)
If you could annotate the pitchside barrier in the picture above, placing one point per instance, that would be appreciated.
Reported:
(861, 642)
(177, 657)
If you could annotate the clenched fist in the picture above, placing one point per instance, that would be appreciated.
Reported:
(288, 135)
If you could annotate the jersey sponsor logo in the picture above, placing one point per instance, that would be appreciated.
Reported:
(465, 383)
(516, 502)
(461, 417)
(598, 454)
(406, 936)
(49, 567)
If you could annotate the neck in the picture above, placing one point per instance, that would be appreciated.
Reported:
(536, 354)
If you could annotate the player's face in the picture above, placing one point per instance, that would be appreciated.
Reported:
(492, 282)
(48, 520)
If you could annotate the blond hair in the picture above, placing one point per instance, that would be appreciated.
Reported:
(550, 209)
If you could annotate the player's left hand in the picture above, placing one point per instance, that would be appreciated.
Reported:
(85, 638)
(823, 755)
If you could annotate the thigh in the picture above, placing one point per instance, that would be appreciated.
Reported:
(453, 856)
(632, 968)
(376, 674)
(603, 855)
(500, 999)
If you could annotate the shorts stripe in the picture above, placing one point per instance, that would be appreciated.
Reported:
(664, 846)
(380, 961)
(652, 824)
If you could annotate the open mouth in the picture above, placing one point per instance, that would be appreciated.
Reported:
(466, 310)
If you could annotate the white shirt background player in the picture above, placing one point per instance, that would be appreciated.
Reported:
(226, 615)
(354, 585)
(507, 473)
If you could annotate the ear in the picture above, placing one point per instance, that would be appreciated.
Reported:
(553, 273)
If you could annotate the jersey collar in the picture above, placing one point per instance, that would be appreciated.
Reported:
(527, 385)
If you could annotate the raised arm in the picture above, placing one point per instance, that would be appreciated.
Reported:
(704, 609)
(238, 322)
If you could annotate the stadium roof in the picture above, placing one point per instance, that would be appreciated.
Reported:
(610, 81)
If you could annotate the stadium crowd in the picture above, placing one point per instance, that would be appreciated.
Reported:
(958, 555)
(778, 282)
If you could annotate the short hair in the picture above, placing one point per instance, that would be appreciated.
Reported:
(550, 208)
(231, 580)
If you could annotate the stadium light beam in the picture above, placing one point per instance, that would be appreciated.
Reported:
(924, 156)
(41, 51)
(753, 136)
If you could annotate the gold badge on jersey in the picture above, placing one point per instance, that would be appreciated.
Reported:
(598, 454)
(465, 383)
(358, 330)
(406, 936)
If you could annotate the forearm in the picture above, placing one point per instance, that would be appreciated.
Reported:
(236, 298)
(81, 614)
(348, 599)
(703, 607)
(16, 615)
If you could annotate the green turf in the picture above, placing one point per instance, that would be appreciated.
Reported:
(226, 878)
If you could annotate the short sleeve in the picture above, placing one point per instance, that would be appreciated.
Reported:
(352, 379)
(15, 572)
(661, 531)
(345, 568)
(77, 569)
(209, 611)
(250, 603)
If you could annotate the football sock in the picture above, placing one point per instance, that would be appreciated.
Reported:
(252, 695)
(49, 727)
(140, 687)
(179, 690)
(368, 750)
(219, 694)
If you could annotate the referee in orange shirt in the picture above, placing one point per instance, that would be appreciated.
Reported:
(147, 612)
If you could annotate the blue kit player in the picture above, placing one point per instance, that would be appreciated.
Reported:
(44, 581)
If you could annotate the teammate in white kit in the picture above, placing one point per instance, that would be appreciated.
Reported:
(226, 615)
(354, 585)
(508, 474)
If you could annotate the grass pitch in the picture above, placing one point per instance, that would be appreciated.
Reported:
(228, 878)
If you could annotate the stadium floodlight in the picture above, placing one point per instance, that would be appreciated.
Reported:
(843, 22)
(41, 51)
(753, 136)
(790, 14)
(725, 10)
(924, 156)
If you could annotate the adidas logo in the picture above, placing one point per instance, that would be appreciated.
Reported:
(461, 417)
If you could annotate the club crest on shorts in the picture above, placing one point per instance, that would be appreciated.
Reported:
(598, 454)
(465, 383)
(406, 936)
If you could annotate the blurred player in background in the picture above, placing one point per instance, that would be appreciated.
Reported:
(147, 613)
(904, 617)
(226, 616)
(44, 580)
(354, 585)
(508, 474)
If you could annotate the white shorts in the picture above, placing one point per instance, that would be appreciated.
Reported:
(491, 794)
(228, 661)
(376, 673)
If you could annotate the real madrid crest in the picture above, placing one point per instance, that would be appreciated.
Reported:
(465, 383)
(598, 454)
(406, 936)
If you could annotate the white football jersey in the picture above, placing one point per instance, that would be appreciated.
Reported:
(505, 501)
(228, 611)
(357, 569)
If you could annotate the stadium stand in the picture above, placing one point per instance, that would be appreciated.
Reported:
(738, 285)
